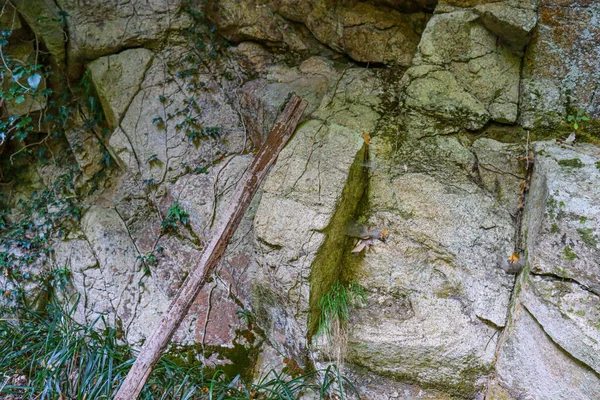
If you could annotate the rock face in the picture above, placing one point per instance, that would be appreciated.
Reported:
(465, 82)
(117, 79)
(560, 74)
(563, 220)
(309, 195)
(423, 119)
(554, 333)
(363, 31)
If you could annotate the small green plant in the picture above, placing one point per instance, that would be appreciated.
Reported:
(569, 254)
(175, 214)
(335, 306)
(577, 118)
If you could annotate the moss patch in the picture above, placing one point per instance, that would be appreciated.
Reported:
(588, 236)
(569, 254)
(571, 163)
(327, 266)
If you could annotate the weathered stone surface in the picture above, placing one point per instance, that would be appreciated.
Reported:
(433, 92)
(531, 365)
(115, 284)
(105, 27)
(117, 80)
(164, 131)
(463, 82)
(365, 32)
(563, 214)
(45, 18)
(513, 23)
(255, 20)
(262, 98)
(569, 315)
(311, 191)
(499, 170)
(435, 284)
(86, 148)
(549, 349)
(560, 66)
(298, 204)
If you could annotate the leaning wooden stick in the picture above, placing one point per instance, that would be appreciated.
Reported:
(228, 223)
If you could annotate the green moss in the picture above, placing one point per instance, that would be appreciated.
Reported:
(569, 254)
(571, 163)
(237, 360)
(588, 237)
(597, 164)
(327, 267)
(554, 228)
(581, 313)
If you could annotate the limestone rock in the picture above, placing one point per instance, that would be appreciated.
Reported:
(46, 18)
(512, 23)
(562, 223)
(298, 203)
(560, 64)
(86, 148)
(365, 32)
(434, 92)
(499, 169)
(172, 125)
(101, 28)
(435, 283)
(255, 20)
(568, 314)
(262, 98)
(531, 365)
(114, 282)
(474, 71)
(117, 79)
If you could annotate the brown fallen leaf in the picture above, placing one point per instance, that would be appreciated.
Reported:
(366, 138)
(513, 258)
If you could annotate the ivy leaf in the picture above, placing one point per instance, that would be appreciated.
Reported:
(19, 99)
(34, 81)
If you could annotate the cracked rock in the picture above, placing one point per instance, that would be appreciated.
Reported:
(117, 78)
(562, 220)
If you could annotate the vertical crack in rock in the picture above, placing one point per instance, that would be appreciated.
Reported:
(328, 266)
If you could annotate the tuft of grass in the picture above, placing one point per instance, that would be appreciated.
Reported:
(51, 356)
(336, 303)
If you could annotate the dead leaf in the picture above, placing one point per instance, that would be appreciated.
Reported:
(384, 233)
(359, 246)
(522, 186)
(366, 138)
(571, 138)
(513, 258)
